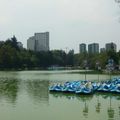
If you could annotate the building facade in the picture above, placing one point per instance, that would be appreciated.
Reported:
(111, 46)
(93, 48)
(102, 50)
(82, 48)
(39, 42)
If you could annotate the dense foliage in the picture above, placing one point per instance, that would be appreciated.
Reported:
(95, 60)
(13, 57)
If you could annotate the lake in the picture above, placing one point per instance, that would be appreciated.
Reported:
(24, 95)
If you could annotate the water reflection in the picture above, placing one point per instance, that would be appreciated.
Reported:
(85, 110)
(110, 111)
(110, 114)
(88, 102)
(98, 104)
(9, 89)
(84, 99)
(119, 110)
(71, 96)
(38, 90)
(26, 95)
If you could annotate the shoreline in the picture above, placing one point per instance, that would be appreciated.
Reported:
(80, 71)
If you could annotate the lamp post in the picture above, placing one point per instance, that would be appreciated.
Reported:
(110, 66)
(98, 68)
(86, 67)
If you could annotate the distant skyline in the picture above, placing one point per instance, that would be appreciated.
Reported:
(69, 22)
(94, 47)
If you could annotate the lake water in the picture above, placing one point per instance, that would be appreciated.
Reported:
(24, 95)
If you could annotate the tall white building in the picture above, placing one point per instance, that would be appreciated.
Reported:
(39, 42)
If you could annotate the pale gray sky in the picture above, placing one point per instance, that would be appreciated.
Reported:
(70, 22)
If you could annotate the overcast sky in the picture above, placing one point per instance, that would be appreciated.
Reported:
(70, 22)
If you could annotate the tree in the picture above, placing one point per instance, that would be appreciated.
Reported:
(70, 58)
(58, 57)
(8, 57)
(117, 1)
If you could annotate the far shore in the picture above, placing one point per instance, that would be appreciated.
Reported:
(64, 69)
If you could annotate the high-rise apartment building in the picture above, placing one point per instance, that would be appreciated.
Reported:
(102, 50)
(82, 48)
(93, 48)
(39, 42)
(31, 43)
(111, 46)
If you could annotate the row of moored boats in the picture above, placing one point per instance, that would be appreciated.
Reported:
(87, 87)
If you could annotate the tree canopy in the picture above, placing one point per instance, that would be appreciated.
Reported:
(11, 56)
